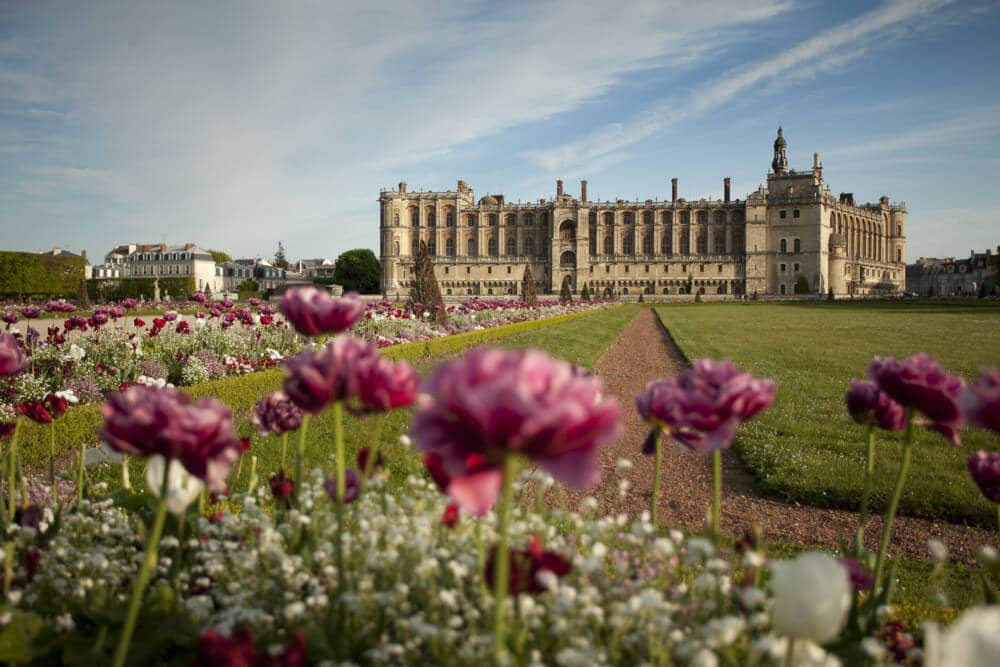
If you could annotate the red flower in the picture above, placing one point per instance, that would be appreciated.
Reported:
(277, 414)
(282, 488)
(35, 411)
(12, 361)
(239, 650)
(450, 517)
(364, 454)
(867, 405)
(702, 407)
(144, 420)
(495, 403)
(526, 565)
(266, 319)
(313, 312)
(317, 378)
(918, 382)
(6, 430)
(56, 405)
(384, 385)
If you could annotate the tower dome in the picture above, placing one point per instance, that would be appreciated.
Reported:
(489, 200)
(779, 165)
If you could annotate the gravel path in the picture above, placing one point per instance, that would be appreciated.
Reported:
(644, 352)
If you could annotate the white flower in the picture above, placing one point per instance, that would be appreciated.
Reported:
(972, 641)
(704, 658)
(68, 395)
(182, 488)
(812, 595)
(274, 355)
(937, 550)
(622, 465)
(76, 353)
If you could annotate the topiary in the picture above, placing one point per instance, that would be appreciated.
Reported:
(565, 293)
(425, 290)
(528, 287)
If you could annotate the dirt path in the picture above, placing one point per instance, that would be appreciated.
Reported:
(644, 352)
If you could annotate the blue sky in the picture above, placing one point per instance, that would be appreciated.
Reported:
(236, 124)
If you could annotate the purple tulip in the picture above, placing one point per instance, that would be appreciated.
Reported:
(918, 382)
(277, 414)
(702, 407)
(313, 312)
(869, 406)
(31, 312)
(317, 378)
(143, 421)
(985, 470)
(199, 297)
(129, 304)
(981, 401)
(170, 316)
(384, 385)
(352, 486)
(12, 360)
(494, 403)
(9, 317)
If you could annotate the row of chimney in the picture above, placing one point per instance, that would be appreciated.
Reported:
(673, 189)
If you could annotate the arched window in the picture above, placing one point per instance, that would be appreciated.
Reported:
(529, 218)
(628, 243)
(647, 217)
(567, 230)
(720, 217)
(449, 218)
(431, 219)
(720, 244)
(784, 246)
(395, 248)
(593, 218)
(629, 218)
(472, 247)
(798, 246)
(609, 246)
(647, 244)
(471, 220)
(668, 217)
(609, 218)
(899, 256)
(899, 230)
(701, 241)
(395, 219)
(702, 217)
(782, 289)
(529, 245)
(511, 220)
(567, 260)
(491, 246)
(414, 217)
(667, 243)
(416, 246)
(492, 219)
(592, 233)
(449, 247)
(432, 247)
(685, 217)
(511, 246)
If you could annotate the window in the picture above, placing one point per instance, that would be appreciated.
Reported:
(685, 242)
(782, 287)
(798, 246)
(702, 217)
(472, 247)
(781, 214)
(626, 268)
(449, 247)
(449, 220)
(449, 291)
(782, 268)
(529, 245)
(416, 247)
(468, 270)
(795, 213)
(395, 219)
(471, 220)
(647, 244)
(702, 242)
(720, 268)
(628, 241)
(446, 270)
(701, 268)
(511, 246)
(508, 269)
(668, 217)
(511, 221)
(492, 247)
(666, 268)
(432, 248)
(609, 218)
(647, 218)
(492, 219)
(647, 268)
(629, 217)
(489, 269)
(795, 267)
(784, 246)
(607, 268)
(414, 217)
(431, 219)
(685, 217)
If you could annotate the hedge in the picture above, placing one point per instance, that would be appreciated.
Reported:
(241, 393)
(26, 274)
(115, 289)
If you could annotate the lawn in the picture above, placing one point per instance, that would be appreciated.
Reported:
(806, 448)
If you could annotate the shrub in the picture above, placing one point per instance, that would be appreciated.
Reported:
(26, 274)
(424, 288)
(528, 287)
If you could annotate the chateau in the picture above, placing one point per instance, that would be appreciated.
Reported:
(792, 236)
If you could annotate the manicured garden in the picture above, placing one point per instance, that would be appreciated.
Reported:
(806, 448)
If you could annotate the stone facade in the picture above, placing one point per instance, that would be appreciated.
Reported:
(792, 235)
(972, 276)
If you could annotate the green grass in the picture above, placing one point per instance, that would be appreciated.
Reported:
(806, 448)
(581, 340)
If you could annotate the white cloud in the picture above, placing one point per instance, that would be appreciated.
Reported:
(843, 42)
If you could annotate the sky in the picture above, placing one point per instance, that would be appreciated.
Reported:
(234, 125)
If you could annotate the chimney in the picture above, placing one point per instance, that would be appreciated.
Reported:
(83, 253)
(583, 191)
(725, 187)
(402, 186)
(673, 189)
(558, 189)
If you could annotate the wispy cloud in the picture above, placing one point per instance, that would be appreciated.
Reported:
(845, 41)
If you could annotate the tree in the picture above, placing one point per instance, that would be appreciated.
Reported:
(528, 288)
(248, 285)
(280, 261)
(358, 270)
(565, 293)
(585, 292)
(207, 291)
(220, 257)
(424, 288)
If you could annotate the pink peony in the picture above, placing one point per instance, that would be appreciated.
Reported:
(317, 378)
(702, 407)
(981, 401)
(985, 470)
(313, 312)
(12, 360)
(143, 421)
(867, 405)
(494, 403)
(918, 382)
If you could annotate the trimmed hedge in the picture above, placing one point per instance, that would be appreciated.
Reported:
(116, 289)
(241, 393)
(26, 274)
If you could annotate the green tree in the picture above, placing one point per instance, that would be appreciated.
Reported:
(358, 270)
(585, 293)
(424, 289)
(528, 294)
(248, 285)
(280, 261)
(220, 257)
(565, 293)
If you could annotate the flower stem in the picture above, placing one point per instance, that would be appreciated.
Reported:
(501, 574)
(654, 500)
(717, 494)
(284, 448)
(859, 545)
(145, 572)
(790, 655)
(300, 453)
(52, 458)
(897, 493)
(126, 482)
(79, 474)
(338, 441)
(252, 479)
(12, 472)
